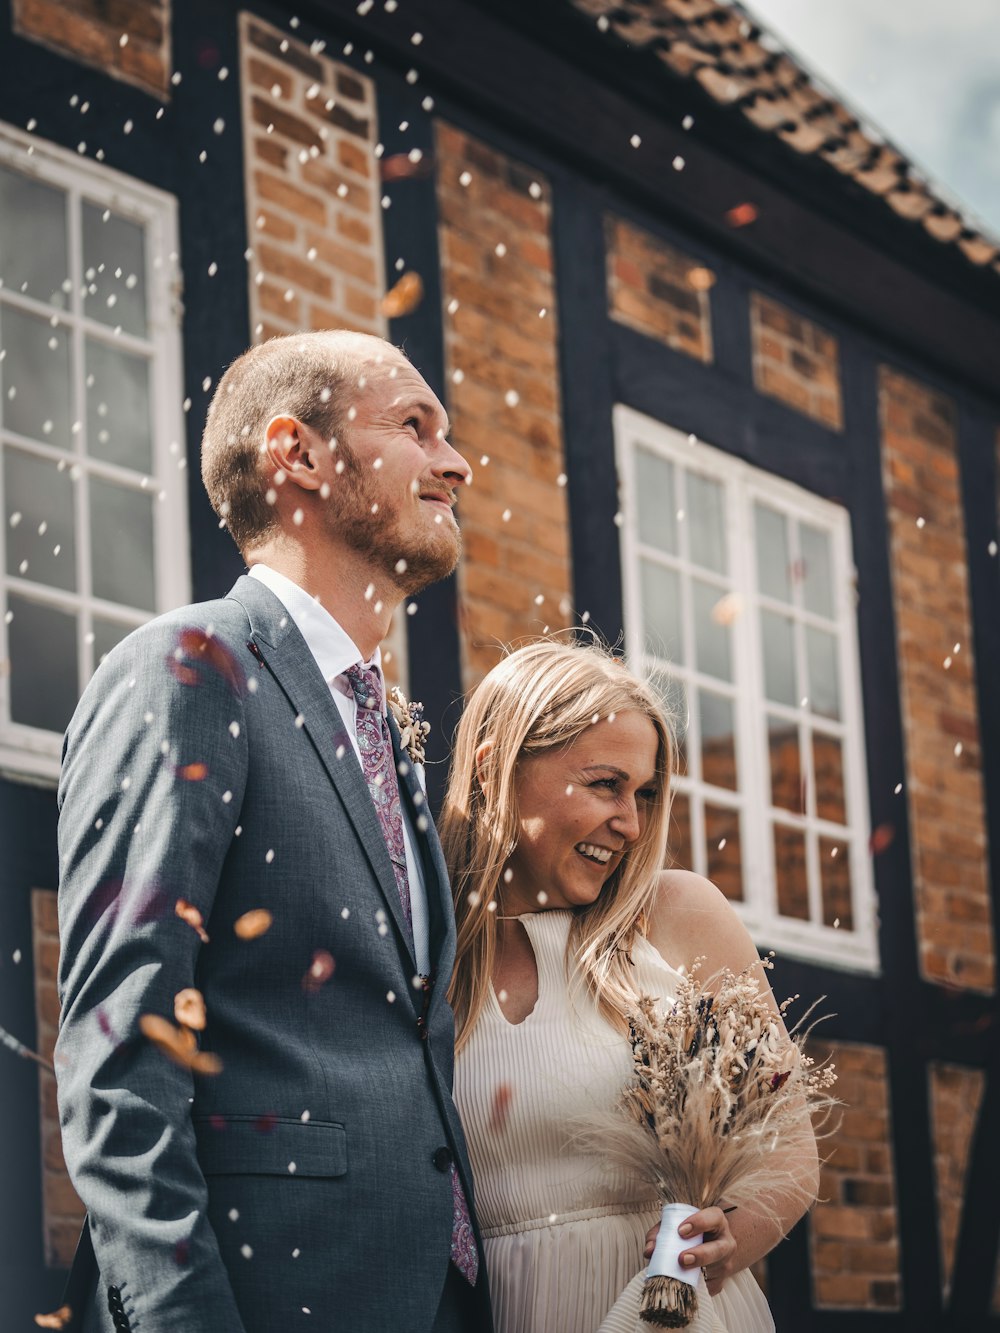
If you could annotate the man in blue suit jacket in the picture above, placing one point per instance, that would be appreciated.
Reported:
(303, 1165)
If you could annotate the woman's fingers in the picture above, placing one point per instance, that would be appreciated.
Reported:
(716, 1248)
(651, 1236)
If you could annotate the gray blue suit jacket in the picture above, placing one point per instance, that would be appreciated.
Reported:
(307, 1185)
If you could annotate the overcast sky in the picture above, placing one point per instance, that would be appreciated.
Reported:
(925, 72)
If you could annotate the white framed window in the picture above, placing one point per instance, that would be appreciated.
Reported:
(92, 480)
(739, 600)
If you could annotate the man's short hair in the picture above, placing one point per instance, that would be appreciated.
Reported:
(312, 377)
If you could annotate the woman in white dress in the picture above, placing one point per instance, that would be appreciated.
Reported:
(555, 829)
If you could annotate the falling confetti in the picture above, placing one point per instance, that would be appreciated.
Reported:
(502, 1099)
(57, 1319)
(189, 1009)
(701, 279)
(405, 166)
(192, 772)
(404, 297)
(179, 1045)
(251, 925)
(320, 971)
(727, 609)
(742, 215)
(192, 917)
(881, 839)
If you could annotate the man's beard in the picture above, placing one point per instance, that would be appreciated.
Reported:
(428, 555)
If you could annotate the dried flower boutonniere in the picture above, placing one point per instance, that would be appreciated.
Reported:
(413, 730)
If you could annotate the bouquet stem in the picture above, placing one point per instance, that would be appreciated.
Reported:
(669, 1296)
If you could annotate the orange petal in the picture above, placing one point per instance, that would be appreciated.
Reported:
(189, 1009)
(404, 297)
(253, 924)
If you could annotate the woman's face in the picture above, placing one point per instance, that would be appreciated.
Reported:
(579, 809)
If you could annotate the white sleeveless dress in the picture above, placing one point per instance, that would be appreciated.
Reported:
(564, 1235)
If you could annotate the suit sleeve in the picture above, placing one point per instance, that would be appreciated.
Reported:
(154, 770)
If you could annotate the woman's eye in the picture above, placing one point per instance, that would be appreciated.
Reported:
(648, 794)
(609, 784)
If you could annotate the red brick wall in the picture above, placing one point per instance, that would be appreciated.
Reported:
(956, 1095)
(62, 1211)
(855, 1253)
(938, 682)
(658, 290)
(129, 39)
(795, 361)
(503, 396)
(314, 214)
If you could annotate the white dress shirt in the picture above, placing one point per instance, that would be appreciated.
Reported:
(335, 651)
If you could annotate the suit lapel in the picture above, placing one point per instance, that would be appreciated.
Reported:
(276, 641)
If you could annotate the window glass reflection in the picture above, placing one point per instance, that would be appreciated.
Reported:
(773, 559)
(661, 610)
(656, 497)
(43, 664)
(40, 528)
(114, 267)
(835, 883)
(824, 684)
(718, 740)
(121, 545)
(790, 872)
(828, 766)
(706, 523)
(710, 637)
(36, 377)
(722, 850)
(787, 792)
(817, 571)
(118, 417)
(33, 253)
(779, 658)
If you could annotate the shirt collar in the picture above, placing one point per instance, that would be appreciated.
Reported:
(330, 644)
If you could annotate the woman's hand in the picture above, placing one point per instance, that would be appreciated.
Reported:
(716, 1252)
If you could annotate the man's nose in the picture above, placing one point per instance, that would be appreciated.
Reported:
(449, 464)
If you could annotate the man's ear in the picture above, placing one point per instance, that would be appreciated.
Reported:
(290, 447)
(484, 766)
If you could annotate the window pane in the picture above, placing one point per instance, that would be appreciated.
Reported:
(817, 570)
(773, 563)
(679, 842)
(706, 520)
(835, 883)
(43, 676)
(674, 700)
(121, 545)
(722, 850)
(828, 765)
(661, 611)
(711, 639)
(114, 266)
(786, 767)
(107, 633)
(41, 529)
(33, 253)
(118, 418)
(36, 377)
(718, 740)
(656, 495)
(790, 872)
(824, 687)
(779, 658)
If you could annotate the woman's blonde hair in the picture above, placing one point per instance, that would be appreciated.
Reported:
(541, 697)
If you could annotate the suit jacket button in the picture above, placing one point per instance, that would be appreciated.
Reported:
(442, 1159)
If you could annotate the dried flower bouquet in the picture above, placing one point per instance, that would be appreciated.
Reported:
(719, 1107)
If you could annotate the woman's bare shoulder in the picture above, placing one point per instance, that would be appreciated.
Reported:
(691, 918)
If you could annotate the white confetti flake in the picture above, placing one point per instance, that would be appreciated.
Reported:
(295, 1253)
(292, 1168)
(678, 163)
(269, 855)
(500, 250)
(897, 789)
(687, 122)
(635, 140)
(234, 729)
(246, 1251)
(345, 912)
(16, 956)
(234, 1214)
(506, 516)
(921, 522)
(390, 995)
(512, 398)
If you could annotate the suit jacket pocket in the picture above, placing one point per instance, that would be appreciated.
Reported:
(265, 1146)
